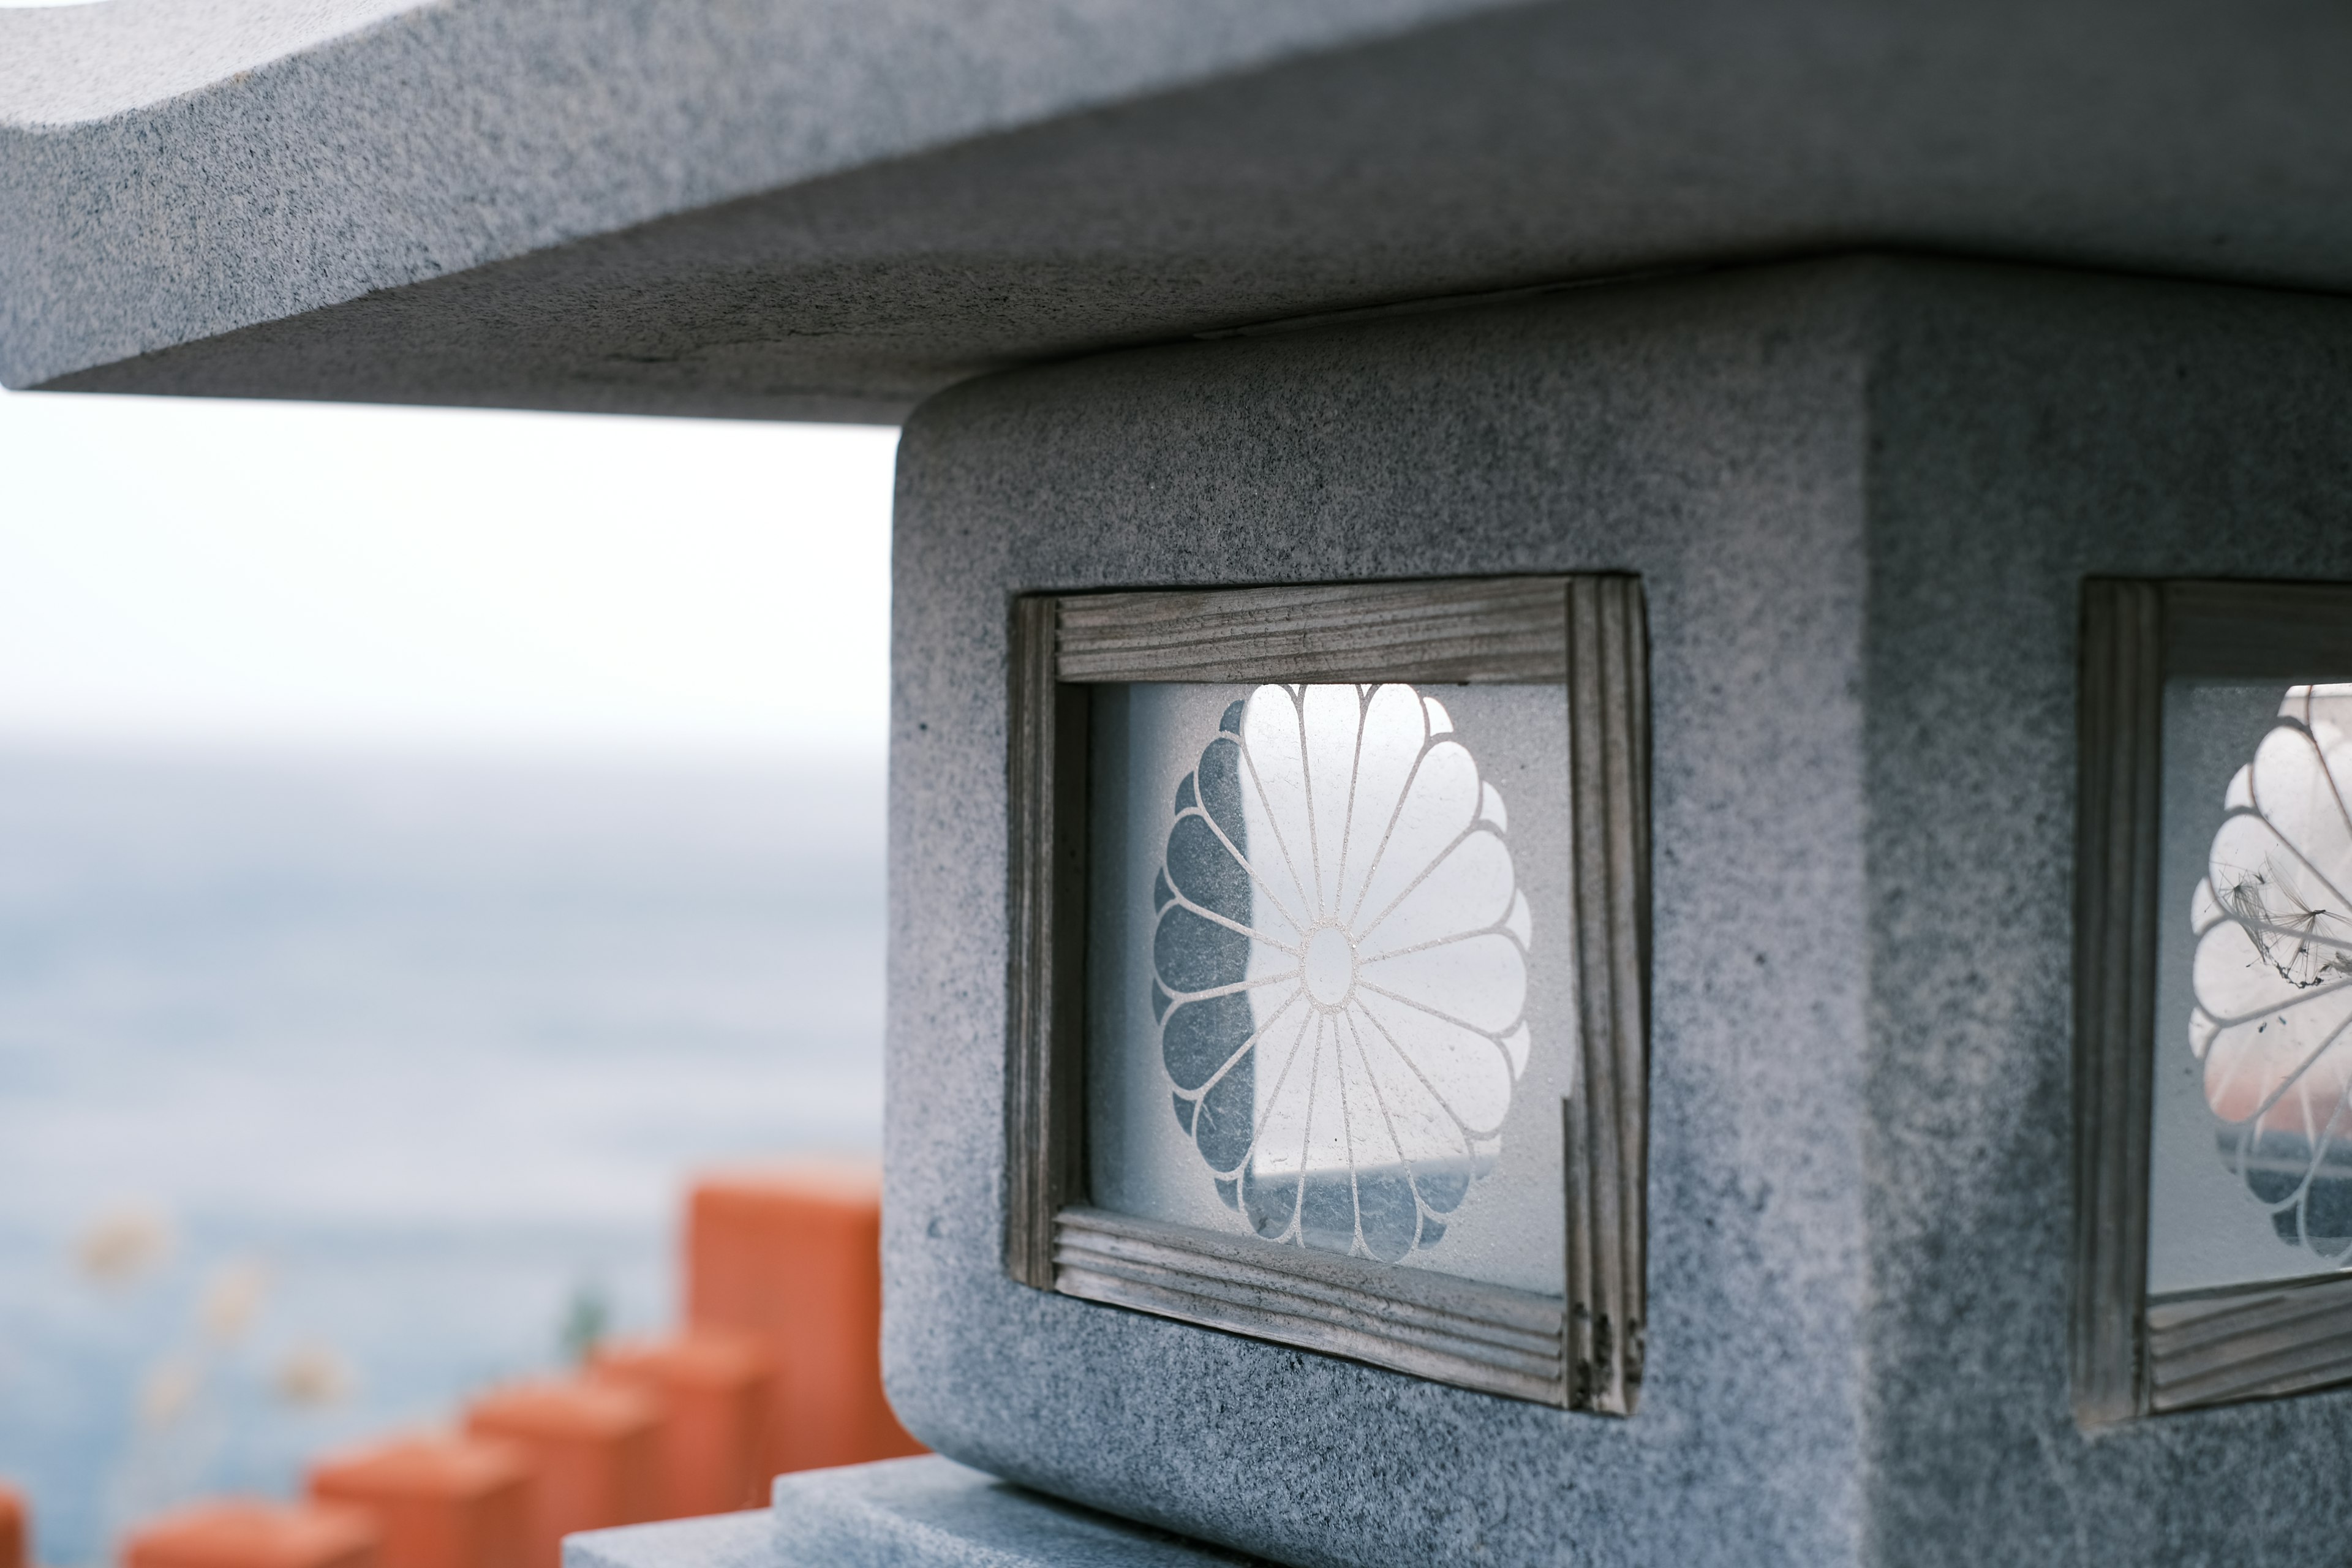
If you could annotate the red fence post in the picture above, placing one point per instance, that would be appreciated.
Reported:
(16, 1529)
(715, 1388)
(595, 1455)
(792, 1254)
(442, 1501)
(241, 1534)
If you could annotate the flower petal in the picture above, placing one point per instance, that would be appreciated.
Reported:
(2296, 795)
(1193, 953)
(1227, 1122)
(1519, 922)
(1221, 790)
(1387, 1216)
(1480, 980)
(2202, 1028)
(1333, 716)
(1395, 733)
(1514, 1045)
(1490, 808)
(1419, 1123)
(2240, 796)
(1371, 1140)
(2252, 1060)
(1470, 888)
(1469, 1074)
(1270, 1182)
(2284, 1148)
(2322, 707)
(1201, 867)
(1200, 1037)
(2204, 909)
(1439, 1155)
(1274, 799)
(1270, 901)
(1327, 1209)
(1285, 1086)
(1439, 806)
(2286, 911)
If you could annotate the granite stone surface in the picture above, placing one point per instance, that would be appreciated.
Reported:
(1862, 497)
(746, 1539)
(819, 208)
(2029, 429)
(934, 1512)
(1707, 435)
(926, 1513)
(172, 170)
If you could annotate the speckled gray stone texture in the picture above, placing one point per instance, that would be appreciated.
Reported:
(939, 1514)
(926, 1513)
(172, 170)
(835, 208)
(1706, 434)
(719, 1540)
(1862, 497)
(2029, 429)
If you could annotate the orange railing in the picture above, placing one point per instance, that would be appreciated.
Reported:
(15, 1530)
(791, 1255)
(777, 1368)
(242, 1533)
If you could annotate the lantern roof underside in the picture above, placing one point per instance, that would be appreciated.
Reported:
(830, 209)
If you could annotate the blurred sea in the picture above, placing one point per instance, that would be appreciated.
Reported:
(332, 1090)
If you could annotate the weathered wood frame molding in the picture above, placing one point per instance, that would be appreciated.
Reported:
(2133, 1356)
(2116, 817)
(1581, 1349)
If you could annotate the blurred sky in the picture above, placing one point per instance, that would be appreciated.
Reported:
(424, 836)
(300, 575)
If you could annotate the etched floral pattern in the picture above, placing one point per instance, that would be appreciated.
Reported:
(2272, 1020)
(1340, 972)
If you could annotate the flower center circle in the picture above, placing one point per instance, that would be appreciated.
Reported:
(1331, 966)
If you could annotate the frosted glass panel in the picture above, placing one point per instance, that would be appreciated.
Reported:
(2251, 1173)
(1329, 985)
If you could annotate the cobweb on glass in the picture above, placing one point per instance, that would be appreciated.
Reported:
(2272, 973)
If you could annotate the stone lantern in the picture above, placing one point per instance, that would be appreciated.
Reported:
(1620, 735)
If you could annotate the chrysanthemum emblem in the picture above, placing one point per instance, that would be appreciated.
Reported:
(1340, 961)
(2272, 1021)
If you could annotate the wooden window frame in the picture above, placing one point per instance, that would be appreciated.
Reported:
(1581, 1350)
(2133, 1354)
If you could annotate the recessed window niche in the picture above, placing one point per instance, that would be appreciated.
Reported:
(2214, 1104)
(1332, 989)
(1317, 1012)
(2251, 1157)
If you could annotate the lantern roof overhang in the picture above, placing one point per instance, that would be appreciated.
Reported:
(832, 208)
